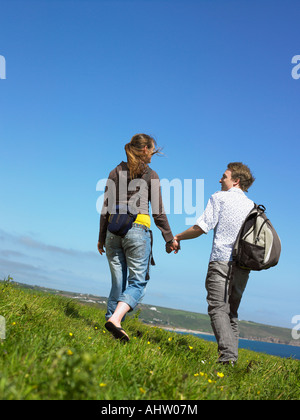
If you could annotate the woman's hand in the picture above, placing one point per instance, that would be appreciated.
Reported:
(101, 248)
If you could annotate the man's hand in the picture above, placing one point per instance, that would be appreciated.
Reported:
(101, 248)
(177, 241)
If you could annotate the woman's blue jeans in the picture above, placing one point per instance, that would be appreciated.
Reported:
(129, 260)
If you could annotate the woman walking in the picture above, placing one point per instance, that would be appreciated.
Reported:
(131, 186)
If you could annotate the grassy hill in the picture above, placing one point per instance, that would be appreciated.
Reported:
(175, 318)
(57, 349)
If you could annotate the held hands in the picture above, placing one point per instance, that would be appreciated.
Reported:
(173, 246)
(170, 247)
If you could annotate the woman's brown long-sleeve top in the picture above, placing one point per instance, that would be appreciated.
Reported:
(150, 193)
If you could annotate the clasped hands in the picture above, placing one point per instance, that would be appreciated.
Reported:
(173, 246)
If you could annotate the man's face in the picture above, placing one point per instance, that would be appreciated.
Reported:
(226, 181)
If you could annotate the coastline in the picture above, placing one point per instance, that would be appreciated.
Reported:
(179, 330)
(183, 330)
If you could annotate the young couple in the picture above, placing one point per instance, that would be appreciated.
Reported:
(129, 256)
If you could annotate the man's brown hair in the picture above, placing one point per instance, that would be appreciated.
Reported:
(243, 173)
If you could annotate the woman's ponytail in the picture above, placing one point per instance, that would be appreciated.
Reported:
(135, 153)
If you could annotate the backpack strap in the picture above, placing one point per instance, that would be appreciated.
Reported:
(260, 207)
(151, 261)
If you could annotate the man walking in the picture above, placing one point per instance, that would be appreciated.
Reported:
(225, 213)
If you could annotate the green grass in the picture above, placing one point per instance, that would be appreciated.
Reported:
(58, 349)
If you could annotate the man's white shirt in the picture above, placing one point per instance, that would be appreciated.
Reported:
(225, 213)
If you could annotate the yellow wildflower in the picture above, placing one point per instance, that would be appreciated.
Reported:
(142, 390)
(102, 385)
(220, 374)
(70, 353)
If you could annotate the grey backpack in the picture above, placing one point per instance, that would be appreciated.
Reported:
(257, 246)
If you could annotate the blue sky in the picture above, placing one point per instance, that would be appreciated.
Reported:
(210, 80)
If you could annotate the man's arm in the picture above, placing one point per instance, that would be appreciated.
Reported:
(191, 233)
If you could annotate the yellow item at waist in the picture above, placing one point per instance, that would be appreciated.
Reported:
(143, 219)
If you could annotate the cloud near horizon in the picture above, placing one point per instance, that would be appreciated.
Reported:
(30, 261)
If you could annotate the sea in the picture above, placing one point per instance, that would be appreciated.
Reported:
(274, 349)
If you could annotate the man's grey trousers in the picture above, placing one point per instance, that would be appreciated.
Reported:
(223, 298)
